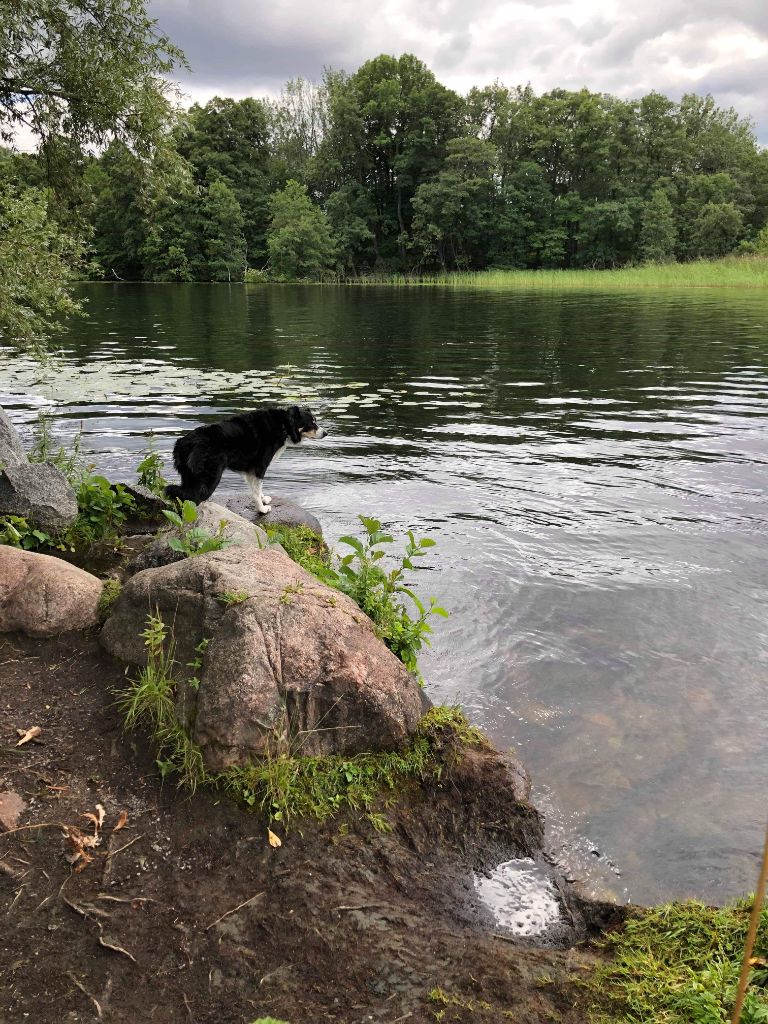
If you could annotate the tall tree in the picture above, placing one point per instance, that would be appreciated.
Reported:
(85, 71)
(658, 235)
(299, 240)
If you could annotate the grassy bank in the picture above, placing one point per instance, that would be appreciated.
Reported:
(679, 964)
(731, 272)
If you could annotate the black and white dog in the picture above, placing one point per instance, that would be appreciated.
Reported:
(246, 443)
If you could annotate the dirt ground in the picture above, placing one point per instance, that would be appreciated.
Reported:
(187, 914)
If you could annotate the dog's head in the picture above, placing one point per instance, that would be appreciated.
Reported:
(302, 424)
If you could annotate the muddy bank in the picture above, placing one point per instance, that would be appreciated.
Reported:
(186, 913)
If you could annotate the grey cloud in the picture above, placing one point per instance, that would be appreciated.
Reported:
(242, 46)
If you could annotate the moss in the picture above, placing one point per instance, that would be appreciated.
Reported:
(109, 595)
(680, 964)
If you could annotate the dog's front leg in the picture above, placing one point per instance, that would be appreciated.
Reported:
(255, 484)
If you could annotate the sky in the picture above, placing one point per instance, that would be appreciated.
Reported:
(626, 47)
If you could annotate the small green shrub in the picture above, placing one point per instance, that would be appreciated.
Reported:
(103, 508)
(109, 595)
(150, 702)
(361, 575)
(18, 533)
(194, 540)
(149, 472)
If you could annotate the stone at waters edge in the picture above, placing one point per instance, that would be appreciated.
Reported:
(43, 596)
(11, 448)
(40, 493)
(294, 662)
(283, 512)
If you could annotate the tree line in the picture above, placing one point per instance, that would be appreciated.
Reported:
(387, 170)
(381, 171)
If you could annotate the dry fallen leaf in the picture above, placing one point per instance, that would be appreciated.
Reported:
(101, 813)
(30, 734)
(273, 839)
(80, 844)
(121, 821)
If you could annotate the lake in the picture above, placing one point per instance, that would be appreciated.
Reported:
(594, 470)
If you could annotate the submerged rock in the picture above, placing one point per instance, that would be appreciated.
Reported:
(43, 596)
(289, 663)
(39, 492)
(283, 512)
(11, 449)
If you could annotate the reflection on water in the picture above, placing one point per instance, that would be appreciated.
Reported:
(594, 471)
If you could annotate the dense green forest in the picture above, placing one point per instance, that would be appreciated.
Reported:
(386, 170)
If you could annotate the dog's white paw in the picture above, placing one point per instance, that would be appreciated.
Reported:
(266, 499)
(263, 509)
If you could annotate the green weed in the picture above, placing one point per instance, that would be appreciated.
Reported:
(45, 448)
(149, 472)
(380, 592)
(730, 272)
(230, 597)
(679, 964)
(194, 540)
(103, 508)
(18, 533)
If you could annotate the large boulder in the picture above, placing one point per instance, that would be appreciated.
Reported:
(39, 492)
(283, 512)
(11, 449)
(290, 663)
(43, 596)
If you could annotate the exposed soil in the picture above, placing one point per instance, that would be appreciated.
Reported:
(340, 924)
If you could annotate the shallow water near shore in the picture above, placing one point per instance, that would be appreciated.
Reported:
(594, 471)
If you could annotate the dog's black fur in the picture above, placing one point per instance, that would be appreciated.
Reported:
(246, 443)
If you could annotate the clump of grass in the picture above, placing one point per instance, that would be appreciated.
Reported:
(679, 964)
(230, 597)
(45, 448)
(150, 702)
(303, 545)
(109, 595)
(284, 785)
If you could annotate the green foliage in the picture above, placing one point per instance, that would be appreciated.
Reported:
(149, 702)
(149, 472)
(37, 259)
(299, 239)
(77, 73)
(658, 234)
(194, 540)
(109, 595)
(269, 1020)
(231, 597)
(680, 964)
(303, 546)
(16, 532)
(103, 508)
(361, 574)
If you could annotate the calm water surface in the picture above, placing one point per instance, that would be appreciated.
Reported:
(594, 470)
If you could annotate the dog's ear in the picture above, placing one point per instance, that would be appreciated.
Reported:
(294, 420)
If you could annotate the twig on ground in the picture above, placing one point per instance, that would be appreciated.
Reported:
(234, 910)
(125, 847)
(85, 992)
